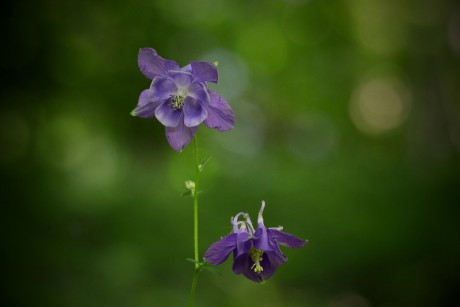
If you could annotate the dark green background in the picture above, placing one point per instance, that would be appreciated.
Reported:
(347, 125)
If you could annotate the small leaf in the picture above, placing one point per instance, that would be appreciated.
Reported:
(204, 162)
(192, 260)
(199, 266)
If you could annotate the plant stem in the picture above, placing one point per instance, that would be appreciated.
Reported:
(195, 199)
(195, 223)
(192, 292)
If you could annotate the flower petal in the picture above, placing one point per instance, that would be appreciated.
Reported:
(241, 263)
(204, 71)
(167, 115)
(260, 239)
(285, 239)
(181, 79)
(198, 91)
(276, 257)
(180, 136)
(194, 113)
(152, 65)
(218, 252)
(220, 114)
(269, 267)
(268, 270)
(163, 88)
(187, 68)
(243, 243)
(146, 105)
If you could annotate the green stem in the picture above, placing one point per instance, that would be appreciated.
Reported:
(192, 292)
(195, 223)
(195, 199)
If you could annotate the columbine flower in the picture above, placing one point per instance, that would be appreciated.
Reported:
(256, 254)
(180, 99)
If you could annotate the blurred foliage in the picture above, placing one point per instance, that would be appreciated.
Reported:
(347, 125)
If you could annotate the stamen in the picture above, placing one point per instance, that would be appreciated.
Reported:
(256, 255)
(177, 102)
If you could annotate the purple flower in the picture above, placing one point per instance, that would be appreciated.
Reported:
(256, 254)
(179, 98)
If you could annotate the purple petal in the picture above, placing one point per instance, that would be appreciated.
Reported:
(241, 263)
(260, 239)
(220, 114)
(163, 88)
(218, 252)
(187, 68)
(285, 239)
(198, 91)
(152, 65)
(146, 105)
(243, 244)
(167, 115)
(204, 71)
(181, 79)
(194, 113)
(180, 136)
(268, 270)
(276, 257)
(269, 267)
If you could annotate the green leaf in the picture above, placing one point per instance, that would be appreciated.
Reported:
(204, 162)
(192, 260)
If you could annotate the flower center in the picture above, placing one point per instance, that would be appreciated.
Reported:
(177, 101)
(256, 255)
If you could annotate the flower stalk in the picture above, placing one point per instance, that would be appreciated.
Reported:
(179, 98)
(195, 223)
(195, 199)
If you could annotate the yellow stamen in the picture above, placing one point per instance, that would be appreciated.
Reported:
(256, 255)
(177, 102)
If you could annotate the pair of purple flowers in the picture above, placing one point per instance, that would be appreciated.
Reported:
(256, 253)
(180, 100)
(179, 97)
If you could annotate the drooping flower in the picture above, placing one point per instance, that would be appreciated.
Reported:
(179, 97)
(256, 254)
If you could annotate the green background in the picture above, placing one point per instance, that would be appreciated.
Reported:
(347, 125)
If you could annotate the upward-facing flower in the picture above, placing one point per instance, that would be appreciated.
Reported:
(256, 254)
(179, 97)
